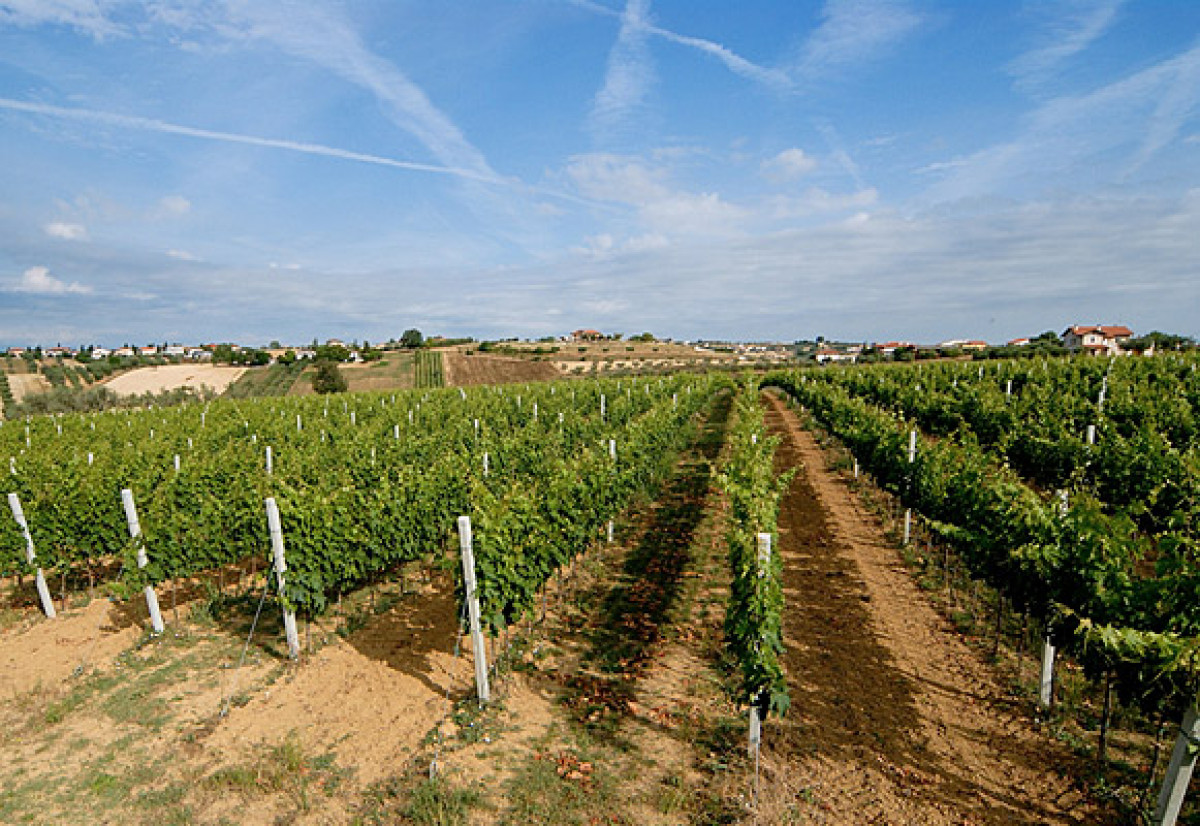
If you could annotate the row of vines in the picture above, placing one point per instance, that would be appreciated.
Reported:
(363, 483)
(754, 618)
(1071, 487)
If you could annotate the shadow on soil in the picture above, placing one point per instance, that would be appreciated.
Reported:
(628, 621)
(405, 634)
(850, 700)
(635, 609)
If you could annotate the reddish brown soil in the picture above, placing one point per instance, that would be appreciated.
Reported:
(894, 718)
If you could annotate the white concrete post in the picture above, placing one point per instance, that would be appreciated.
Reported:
(135, 533)
(1046, 683)
(1179, 771)
(14, 504)
(289, 616)
(472, 595)
(912, 457)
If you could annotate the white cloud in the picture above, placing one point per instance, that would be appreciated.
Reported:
(662, 209)
(65, 231)
(605, 245)
(1071, 27)
(88, 16)
(630, 73)
(617, 178)
(697, 214)
(182, 255)
(320, 35)
(817, 201)
(854, 32)
(39, 280)
(1141, 113)
(941, 166)
(788, 165)
(174, 205)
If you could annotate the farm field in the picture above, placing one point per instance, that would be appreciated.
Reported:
(464, 370)
(172, 377)
(620, 692)
(26, 384)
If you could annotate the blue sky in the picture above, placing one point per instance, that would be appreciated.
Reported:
(252, 170)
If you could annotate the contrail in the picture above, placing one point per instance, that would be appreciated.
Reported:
(733, 61)
(152, 125)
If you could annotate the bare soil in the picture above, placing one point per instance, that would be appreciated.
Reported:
(173, 377)
(615, 708)
(27, 384)
(462, 370)
(894, 719)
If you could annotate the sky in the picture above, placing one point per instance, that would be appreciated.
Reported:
(863, 170)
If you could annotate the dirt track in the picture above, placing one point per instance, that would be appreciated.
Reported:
(894, 718)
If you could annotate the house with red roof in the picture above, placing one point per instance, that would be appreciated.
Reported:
(1097, 339)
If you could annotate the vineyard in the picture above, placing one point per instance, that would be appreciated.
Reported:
(1070, 487)
(363, 486)
(603, 566)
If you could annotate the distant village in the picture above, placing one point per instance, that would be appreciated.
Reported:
(1092, 339)
(1095, 339)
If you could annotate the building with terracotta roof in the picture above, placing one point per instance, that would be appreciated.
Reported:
(1097, 339)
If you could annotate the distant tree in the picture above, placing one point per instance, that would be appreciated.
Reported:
(289, 357)
(1161, 341)
(412, 339)
(328, 378)
(332, 352)
(275, 345)
(223, 354)
(646, 337)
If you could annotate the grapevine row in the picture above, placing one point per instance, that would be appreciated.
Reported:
(754, 618)
(1079, 569)
(363, 483)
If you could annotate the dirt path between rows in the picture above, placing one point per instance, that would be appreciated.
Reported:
(894, 718)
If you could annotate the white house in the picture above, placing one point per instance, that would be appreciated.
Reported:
(825, 355)
(1096, 339)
